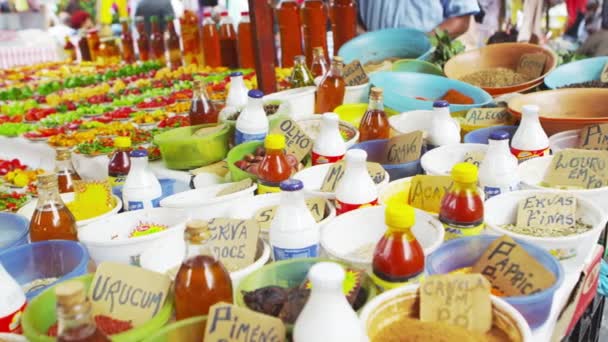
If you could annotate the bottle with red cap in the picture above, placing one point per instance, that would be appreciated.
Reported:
(329, 146)
(228, 42)
(245, 45)
(356, 188)
(530, 140)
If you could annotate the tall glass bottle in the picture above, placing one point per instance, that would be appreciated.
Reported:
(330, 93)
(74, 315)
(93, 42)
(343, 15)
(374, 124)
(319, 63)
(191, 41)
(69, 50)
(202, 280)
(228, 42)
(83, 46)
(300, 75)
(66, 174)
(128, 51)
(143, 43)
(245, 45)
(211, 42)
(175, 53)
(290, 33)
(314, 27)
(51, 220)
(157, 43)
(201, 110)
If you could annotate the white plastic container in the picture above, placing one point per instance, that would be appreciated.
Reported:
(356, 94)
(439, 161)
(356, 188)
(329, 147)
(141, 190)
(498, 170)
(12, 302)
(294, 233)
(530, 140)
(327, 315)
(237, 94)
(300, 101)
(563, 140)
(442, 130)
(252, 123)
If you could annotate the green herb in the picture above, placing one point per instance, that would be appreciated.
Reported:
(445, 47)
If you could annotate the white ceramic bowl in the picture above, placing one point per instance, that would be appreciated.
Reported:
(413, 121)
(313, 177)
(301, 101)
(399, 187)
(356, 94)
(108, 239)
(571, 250)
(28, 209)
(364, 228)
(311, 124)
(439, 161)
(563, 140)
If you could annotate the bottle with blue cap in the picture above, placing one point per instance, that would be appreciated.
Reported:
(498, 170)
(443, 129)
(142, 189)
(294, 232)
(237, 94)
(252, 123)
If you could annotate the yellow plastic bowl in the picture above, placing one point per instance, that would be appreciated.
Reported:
(353, 112)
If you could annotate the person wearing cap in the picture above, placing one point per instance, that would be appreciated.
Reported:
(159, 8)
(81, 20)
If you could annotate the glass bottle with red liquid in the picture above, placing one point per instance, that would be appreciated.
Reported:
(128, 51)
(330, 93)
(228, 42)
(245, 45)
(343, 15)
(52, 220)
(83, 46)
(69, 50)
(314, 27)
(191, 42)
(157, 43)
(66, 174)
(75, 321)
(374, 124)
(211, 42)
(318, 68)
(275, 167)
(143, 43)
(120, 162)
(290, 32)
(201, 109)
(461, 210)
(93, 41)
(202, 280)
(175, 53)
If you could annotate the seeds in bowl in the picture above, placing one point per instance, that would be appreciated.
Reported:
(495, 78)
(549, 231)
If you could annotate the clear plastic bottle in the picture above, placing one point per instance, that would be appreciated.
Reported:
(498, 170)
(66, 173)
(52, 220)
(12, 303)
(293, 233)
(374, 124)
(356, 188)
(252, 123)
(237, 94)
(75, 321)
(142, 189)
(246, 58)
(318, 68)
(211, 42)
(530, 140)
(329, 147)
(228, 45)
(330, 93)
(443, 130)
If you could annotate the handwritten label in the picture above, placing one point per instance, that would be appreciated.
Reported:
(127, 292)
(316, 206)
(547, 210)
(578, 168)
(403, 148)
(298, 142)
(604, 74)
(512, 270)
(457, 299)
(336, 171)
(594, 137)
(474, 157)
(354, 74)
(532, 64)
(231, 323)
(487, 116)
(234, 242)
(235, 187)
(426, 192)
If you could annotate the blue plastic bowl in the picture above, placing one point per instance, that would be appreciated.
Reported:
(59, 259)
(383, 44)
(169, 187)
(402, 88)
(580, 71)
(464, 252)
(480, 136)
(13, 230)
(375, 151)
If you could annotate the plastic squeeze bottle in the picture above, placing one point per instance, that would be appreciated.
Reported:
(294, 233)
(329, 147)
(443, 129)
(530, 140)
(356, 188)
(12, 303)
(498, 170)
(252, 123)
(327, 315)
(120, 163)
(237, 95)
(141, 190)
(274, 167)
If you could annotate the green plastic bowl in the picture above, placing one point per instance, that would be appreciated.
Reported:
(181, 150)
(353, 112)
(415, 65)
(237, 153)
(40, 314)
(191, 329)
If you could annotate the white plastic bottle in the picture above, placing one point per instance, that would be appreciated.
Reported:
(498, 170)
(530, 140)
(141, 190)
(443, 130)
(293, 233)
(356, 188)
(327, 315)
(329, 147)
(252, 124)
(12, 303)
(237, 94)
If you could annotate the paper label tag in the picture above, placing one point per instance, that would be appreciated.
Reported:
(511, 270)
(457, 299)
(231, 323)
(594, 137)
(235, 187)
(316, 206)
(220, 168)
(604, 74)
(578, 168)
(547, 210)
(234, 242)
(354, 74)
(403, 148)
(487, 116)
(474, 157)
(336, 171)
(426, 192)
(127, 292)
(297, 141)
(532, 65)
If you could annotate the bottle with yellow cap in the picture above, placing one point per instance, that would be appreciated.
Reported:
(461, 209)
(398, 257)
(120, 162)
(274, 168)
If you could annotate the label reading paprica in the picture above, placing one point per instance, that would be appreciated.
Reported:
(525, 155)
(318, 159)
(342, 207)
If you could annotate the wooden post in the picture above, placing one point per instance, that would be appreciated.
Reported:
(262, 35)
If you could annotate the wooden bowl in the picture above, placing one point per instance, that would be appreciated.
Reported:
(504, 55)
(565, 109)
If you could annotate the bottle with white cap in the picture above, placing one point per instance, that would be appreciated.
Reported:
(142, 189)
(498, 170)
(530, 140)
(252, 123)
(237, 94)
(327, 315)
(293, 233)
(356, 188)
(12, 303)
(329, 147)
(443, 130)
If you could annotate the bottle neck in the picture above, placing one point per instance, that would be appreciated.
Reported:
(335, 70)
(125, 28)
(254, 104)
(236, 81)
(245, 19)
(530, 119)
(155, 27)
(75, 320)
(48, 194)
(329, 127)
(273, 152)
(376, 103)
(64, 165)
(468, 187)
(441, 113)
(498, 146)
(139, 163)
(401, 232)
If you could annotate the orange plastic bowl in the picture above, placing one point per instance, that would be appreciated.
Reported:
(504, 55)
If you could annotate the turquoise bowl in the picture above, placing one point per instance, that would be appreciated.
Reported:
(576, 72)
(416, 65)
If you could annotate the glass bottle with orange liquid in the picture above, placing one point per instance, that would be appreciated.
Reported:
(374, 124)
(143, 43)
(93, 42)
(201, 109)
(52, 220)
(330, 93)
(191, 42)
(69, 50)
(202, 280)
(83, 46)
(157, 43)
(318, 68)
(290, 32)
(244, 42)
(314, 27)
(75, 321)
(66, 174)
(275, 167)
(108, 54)
(228, 42)
(343, 15)
(128, 51)
(175, 53)
(211, 42)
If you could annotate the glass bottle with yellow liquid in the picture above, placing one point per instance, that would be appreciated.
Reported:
(52, 220)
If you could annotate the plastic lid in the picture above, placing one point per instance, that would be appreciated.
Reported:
(441, 104)
(274, 142)
(499, 135)
(224, 13)
(122, 142)
(399, 215)
(356, 156)
(207, 14)
(530, 109)
(291, 185)
(255, 93)
(244, 13)
(464, 173)
(330, 116)
(328, 275)
(153, 18)
(139, 153)
(236, 74)
(70, 293)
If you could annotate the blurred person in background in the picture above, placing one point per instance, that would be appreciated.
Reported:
(159, 8)
(81, 20)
